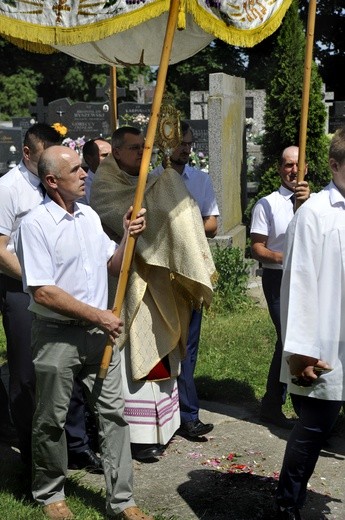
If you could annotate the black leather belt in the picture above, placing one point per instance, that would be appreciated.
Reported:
(63, 323)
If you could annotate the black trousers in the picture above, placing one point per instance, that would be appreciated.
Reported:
(17, 322)
(316, 418)
(275, 394)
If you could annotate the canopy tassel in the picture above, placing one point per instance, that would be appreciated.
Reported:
(181, 19)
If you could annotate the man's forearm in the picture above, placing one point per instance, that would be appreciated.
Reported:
(9, 265)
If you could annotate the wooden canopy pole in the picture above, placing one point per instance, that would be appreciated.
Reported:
(306, 91)
(144, 168)
(113, 98)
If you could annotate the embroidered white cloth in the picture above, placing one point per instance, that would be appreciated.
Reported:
(127, 32)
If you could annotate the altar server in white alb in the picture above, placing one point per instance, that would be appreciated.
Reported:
(313, 329)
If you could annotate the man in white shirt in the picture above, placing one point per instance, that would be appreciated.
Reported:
(270, 218)
(313, 329)
(20, 192)
(65, 256)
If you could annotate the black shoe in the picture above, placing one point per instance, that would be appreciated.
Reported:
(194, 429)
(278, 419)
(288, 514)
(87, 460)
(146, 451)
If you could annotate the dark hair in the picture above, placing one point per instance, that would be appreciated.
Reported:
(90, 148)
(118, 137)
(185, 127)
(41, 132)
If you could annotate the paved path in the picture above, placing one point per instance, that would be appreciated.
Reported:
(232, 475)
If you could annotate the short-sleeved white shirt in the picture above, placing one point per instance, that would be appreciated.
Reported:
(68, 251)
(19, 194)
(200, 187)
(270, 217)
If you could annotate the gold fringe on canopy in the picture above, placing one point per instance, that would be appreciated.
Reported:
(245, 36)
(64, 23)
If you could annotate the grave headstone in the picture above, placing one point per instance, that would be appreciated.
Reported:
(23, 122)
(328, 98)
(337, 116)
(81, 119)
(200, 135)
(105, 92)
(226, 111)
(144, 90)
(198, 104)
(39, 111)
(10, 148)
(134, 114)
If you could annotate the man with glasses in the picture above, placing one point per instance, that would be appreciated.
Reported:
(172, 260)
(270, 218)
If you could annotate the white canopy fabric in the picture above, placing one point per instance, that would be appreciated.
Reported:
(131, 32)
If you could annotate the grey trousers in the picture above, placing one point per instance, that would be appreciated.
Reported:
(60, 352)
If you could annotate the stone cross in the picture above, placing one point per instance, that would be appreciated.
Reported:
(104, 92)
(140, 87)
(39, 110)
(202, 103)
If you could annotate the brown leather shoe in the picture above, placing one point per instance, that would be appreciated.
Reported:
(133, 513)
(58, 511)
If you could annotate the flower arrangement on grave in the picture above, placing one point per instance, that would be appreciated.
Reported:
(199, 160)
(61, 129)
(139, 119)
(75, 144)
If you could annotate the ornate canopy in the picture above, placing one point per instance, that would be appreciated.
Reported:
(130, 32)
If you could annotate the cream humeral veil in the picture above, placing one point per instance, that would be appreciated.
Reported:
(172, 266)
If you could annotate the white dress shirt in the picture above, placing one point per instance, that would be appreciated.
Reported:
(271, 216)
(19, 194)
(313, 291)
(68, 251)
(200, 187)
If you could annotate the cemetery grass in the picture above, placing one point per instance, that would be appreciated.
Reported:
(234, 356)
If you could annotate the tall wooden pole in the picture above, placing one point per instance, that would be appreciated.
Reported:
(113, 98)
(306, 92)
(144, 168)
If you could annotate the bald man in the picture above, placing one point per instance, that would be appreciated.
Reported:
(270, 219)
(65, 257)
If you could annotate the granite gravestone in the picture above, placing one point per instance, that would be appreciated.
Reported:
(198, 104)
(10, 148)
(200, 135)
(134, 114)
(23, 122)
(81, 119)
(337, 116)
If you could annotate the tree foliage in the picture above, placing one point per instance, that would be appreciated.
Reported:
(24, 81)
(66, 77)
(283, 107)
(63, 77)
